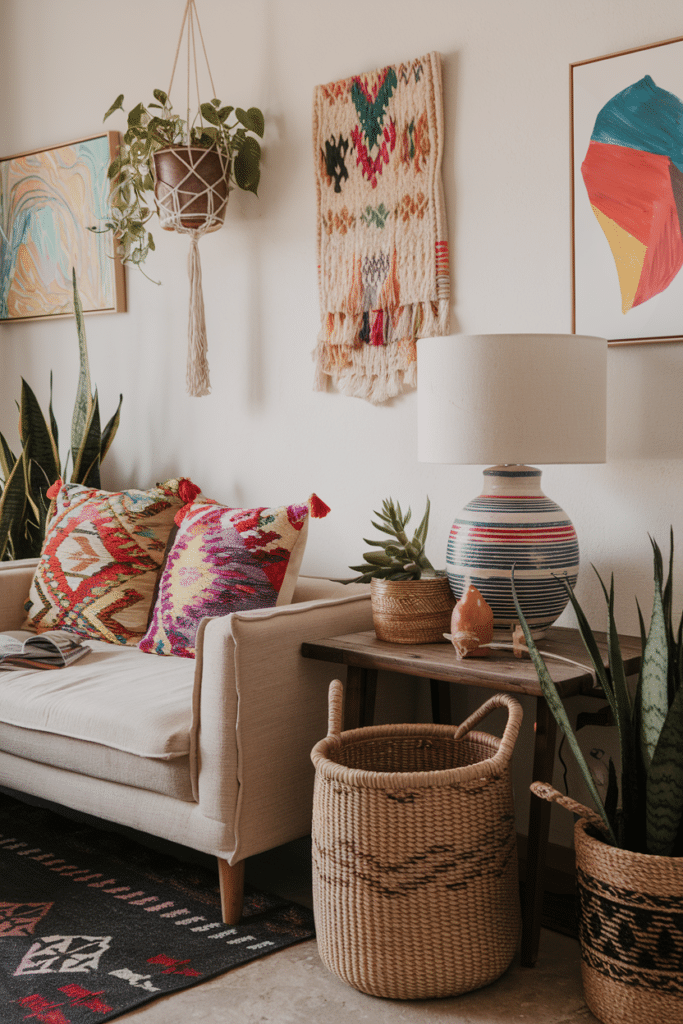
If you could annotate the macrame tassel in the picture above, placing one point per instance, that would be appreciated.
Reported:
(198, 383)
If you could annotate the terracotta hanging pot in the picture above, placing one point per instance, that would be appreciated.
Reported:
(191, 188)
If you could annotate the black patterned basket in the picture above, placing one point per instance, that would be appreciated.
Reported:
(631, 932)
(415, 883)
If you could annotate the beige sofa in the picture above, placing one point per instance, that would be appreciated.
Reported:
(213, 754)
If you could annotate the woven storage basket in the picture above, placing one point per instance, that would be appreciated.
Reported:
(412, 611)
(630, 925)
(415, 887)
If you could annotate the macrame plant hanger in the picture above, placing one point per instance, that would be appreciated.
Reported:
(198, 184)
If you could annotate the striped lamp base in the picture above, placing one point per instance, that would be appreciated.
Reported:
(513, 523)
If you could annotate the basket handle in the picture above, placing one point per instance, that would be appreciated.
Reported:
(515, 713)
(549, 793)
(335, 701)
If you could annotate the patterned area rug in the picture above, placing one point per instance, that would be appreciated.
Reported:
(92, 924)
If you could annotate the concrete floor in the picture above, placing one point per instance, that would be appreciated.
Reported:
(293, 986)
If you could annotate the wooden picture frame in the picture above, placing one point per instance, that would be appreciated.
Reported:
(626, 121)
(49, 198)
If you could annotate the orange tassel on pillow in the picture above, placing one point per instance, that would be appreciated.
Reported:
(317, 507)
(54, 488)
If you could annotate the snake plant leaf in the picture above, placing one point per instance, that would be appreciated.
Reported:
(86, 460)
(7, 458)
(82, 414)
(623, 713)
(590, 644)
(53, 422)
(559, 713)
(665, 783)
(653, 683)
(12, 505)
(42, 449)
(109, 432)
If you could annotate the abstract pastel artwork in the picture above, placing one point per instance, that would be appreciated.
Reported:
(48, 201)
(627, 177)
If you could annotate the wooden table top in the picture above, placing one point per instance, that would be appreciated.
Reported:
(500, 670)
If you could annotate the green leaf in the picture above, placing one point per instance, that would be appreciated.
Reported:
(252, 120)
(224, 113)
(559, 713)
(7, 458)
(82, 413)
(39, 444)
(86, 459)
(109, 431)
(136, 116)
(654, 702)
(116, 105)
(247, 166)
(665, 783)
(210, 113)
(12, 505)
(160, 95)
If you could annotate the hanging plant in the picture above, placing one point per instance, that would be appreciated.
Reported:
(224, 141)
(189, 165)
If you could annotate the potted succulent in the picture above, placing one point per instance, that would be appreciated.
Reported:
(629, 850)
(411, 600)
(188, 167)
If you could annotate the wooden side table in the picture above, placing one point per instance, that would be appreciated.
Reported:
(365, 655)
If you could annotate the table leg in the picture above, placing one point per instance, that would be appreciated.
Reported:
(441, 702)
(359, 701)
(539, 831)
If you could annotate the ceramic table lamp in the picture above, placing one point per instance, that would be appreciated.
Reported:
(514, 400)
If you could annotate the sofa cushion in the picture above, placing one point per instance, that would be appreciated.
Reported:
(101, 560)
(169, 777)
(225, 560)
(115, 696)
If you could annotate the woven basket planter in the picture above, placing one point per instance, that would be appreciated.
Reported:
(415, 884)
(631, 932)
(191, 188)
(412, 611)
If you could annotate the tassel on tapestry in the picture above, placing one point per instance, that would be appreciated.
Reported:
(382, 242)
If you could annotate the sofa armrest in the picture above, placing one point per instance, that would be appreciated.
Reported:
(15, 583)
(260, 707)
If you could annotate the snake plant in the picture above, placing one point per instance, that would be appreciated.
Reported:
(398, 558)
(24, 504)
(643, 810)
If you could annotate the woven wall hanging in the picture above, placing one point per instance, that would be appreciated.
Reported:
(382, 243)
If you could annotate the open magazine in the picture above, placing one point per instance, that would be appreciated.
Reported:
(53, 649)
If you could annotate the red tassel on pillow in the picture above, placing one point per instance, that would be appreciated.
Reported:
(54, 488)
(187, 491)
(318, 507)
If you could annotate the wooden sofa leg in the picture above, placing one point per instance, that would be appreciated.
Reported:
(231, 878)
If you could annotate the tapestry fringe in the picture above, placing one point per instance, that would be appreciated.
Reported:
(376, 372)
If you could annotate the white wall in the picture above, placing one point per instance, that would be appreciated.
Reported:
(264, 436)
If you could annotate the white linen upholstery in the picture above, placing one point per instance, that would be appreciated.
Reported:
(252, 709)
(170, 777)
(134, 702)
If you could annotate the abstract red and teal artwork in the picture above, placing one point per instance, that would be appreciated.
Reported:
(628, 194)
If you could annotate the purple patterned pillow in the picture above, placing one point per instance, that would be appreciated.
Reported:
(225, 560)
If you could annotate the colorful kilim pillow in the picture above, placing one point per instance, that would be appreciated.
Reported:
(382, 238)
(101, 560)
(225, 560)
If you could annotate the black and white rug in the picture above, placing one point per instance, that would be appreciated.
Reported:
(93, 924)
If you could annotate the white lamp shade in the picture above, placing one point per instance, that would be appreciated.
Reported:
(512, 398)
